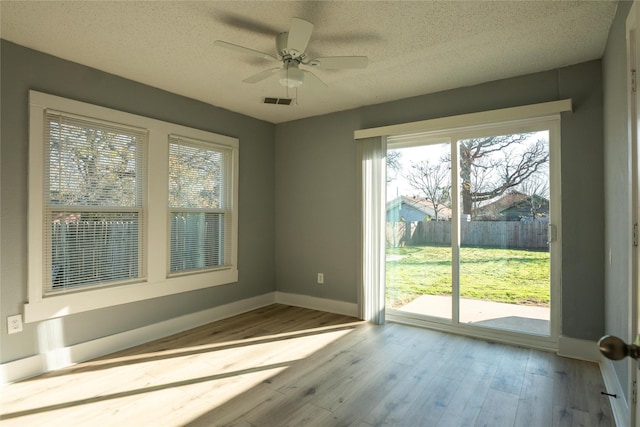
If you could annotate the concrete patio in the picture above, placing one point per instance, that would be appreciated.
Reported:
(512, 317)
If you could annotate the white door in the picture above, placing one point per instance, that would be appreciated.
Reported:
(613, 347)
(633, 55)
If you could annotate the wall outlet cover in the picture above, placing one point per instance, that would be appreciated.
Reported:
(14, 324)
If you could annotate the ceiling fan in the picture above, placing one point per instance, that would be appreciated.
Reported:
(291, 50)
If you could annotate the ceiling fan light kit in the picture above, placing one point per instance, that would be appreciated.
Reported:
(291, 76)
(291, 47)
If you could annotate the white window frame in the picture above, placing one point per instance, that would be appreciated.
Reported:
(139, 205)
(157, 282)
(226, 201)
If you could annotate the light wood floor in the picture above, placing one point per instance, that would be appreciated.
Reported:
(286, 366)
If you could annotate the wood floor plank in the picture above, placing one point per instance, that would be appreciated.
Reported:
(499, 409)
(599, 411)
(356, 409)
(510, 374)
(535, 406)
(541, 363)
(567, 380)
(242, 409)
(281, 365)
(467, 401)
(391, 409)
(563, 417)
(431, 402)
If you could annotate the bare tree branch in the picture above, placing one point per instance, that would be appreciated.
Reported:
(490, 166)
(433, 180)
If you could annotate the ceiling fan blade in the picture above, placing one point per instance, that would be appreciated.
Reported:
(338, 62)
(262, 75)
(245, 23)
(244, 50)
(312, 80)
(299, 36)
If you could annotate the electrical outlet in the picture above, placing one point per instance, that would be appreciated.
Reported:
(320, 278)
(14, 324)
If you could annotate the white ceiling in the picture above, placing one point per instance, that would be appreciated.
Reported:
(414, 47)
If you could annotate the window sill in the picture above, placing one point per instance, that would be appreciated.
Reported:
(73, 303)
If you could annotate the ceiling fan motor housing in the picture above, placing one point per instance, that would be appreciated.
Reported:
(282, 40)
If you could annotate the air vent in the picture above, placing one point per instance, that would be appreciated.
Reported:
(280, 101)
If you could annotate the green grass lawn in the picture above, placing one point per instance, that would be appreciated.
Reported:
(513, 276)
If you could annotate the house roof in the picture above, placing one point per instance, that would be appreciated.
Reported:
(420, 204)
(506, 201)
(413, 47)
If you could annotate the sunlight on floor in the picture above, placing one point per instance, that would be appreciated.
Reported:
(177, 383)
(51, 344)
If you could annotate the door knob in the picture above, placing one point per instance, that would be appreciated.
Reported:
(615, 349)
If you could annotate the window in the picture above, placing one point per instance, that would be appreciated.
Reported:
(93, 202)
(199, 205)
(124, 208)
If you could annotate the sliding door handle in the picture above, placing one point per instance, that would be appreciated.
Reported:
(552, 233)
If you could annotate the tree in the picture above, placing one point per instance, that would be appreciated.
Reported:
(537, 191)
(195, 176)
(394, 165)
(90, 166)
(492, 165)
(434, 181)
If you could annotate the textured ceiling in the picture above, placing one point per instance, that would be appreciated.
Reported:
(413, 47)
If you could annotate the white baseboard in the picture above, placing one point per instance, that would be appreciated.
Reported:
(579, 349)
(619, 404)
(315, 303)
(41, 363)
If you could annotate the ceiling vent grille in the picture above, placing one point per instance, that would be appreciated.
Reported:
(279, 101)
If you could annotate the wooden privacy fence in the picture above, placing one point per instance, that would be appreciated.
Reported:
(86, 252)
(498, 234)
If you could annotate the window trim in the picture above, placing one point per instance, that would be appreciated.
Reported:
(228, 199)
(470, 121)
(156, 283)
(139, 206)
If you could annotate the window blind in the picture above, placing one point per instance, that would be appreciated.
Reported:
(200, 208)
(94, 202)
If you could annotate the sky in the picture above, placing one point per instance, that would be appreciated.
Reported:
(397, 185)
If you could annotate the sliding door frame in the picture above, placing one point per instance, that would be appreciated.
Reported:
(511, 120)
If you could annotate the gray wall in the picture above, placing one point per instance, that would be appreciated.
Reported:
(317, 219)
(617, 202)
(305, 172)
(23, 69)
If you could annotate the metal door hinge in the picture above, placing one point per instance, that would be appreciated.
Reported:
(634, 392)
(635, 234)
(634, 81)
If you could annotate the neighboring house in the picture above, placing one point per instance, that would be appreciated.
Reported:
(513, 206)
(411, 209)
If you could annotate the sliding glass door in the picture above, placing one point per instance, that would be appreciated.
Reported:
(471, 226)
(504, 263)
(419, 254)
